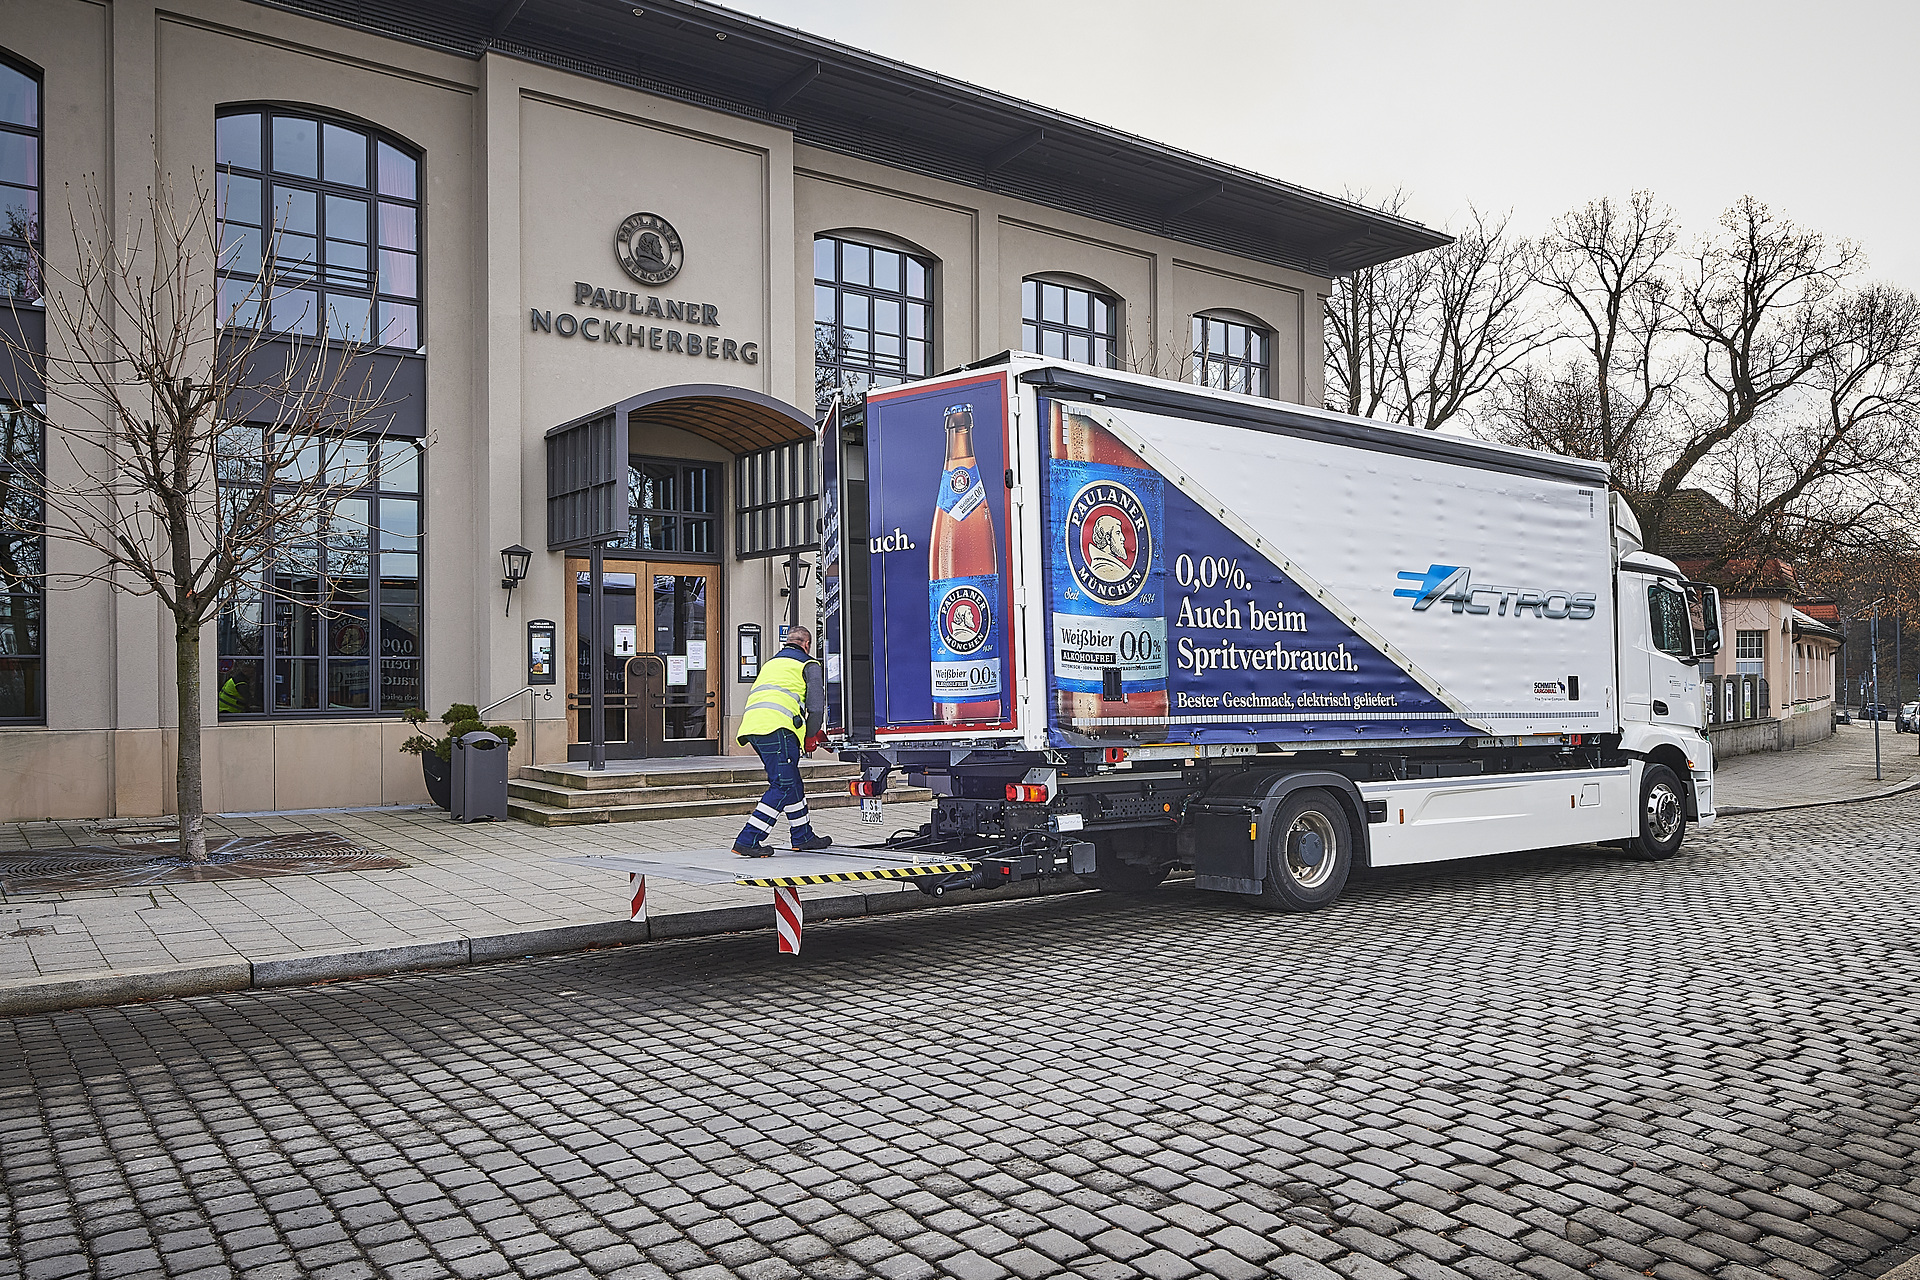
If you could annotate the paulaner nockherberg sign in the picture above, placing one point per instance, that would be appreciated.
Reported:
(650, 251)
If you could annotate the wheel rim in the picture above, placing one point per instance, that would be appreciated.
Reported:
(1664, 813)
(1310, 834)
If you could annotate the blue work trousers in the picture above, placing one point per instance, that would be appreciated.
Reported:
(780, 753)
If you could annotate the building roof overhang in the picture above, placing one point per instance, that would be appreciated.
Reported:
(860, 104)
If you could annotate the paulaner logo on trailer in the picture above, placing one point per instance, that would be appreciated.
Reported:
(1109, 542)
(1454, 584)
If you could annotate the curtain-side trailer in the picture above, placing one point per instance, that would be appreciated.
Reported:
(1120, 625)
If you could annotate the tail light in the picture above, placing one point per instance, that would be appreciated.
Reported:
(1025, 794)
(861, 787)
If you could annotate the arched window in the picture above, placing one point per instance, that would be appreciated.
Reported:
(337, 206)
(20, 153)
(1232, 354)
(872, 316)
(1065, 320)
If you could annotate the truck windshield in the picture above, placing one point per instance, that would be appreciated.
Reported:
(1667, 614)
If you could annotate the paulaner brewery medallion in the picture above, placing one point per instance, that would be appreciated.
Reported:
(649, 248)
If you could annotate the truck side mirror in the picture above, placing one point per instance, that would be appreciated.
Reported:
(1703, 611)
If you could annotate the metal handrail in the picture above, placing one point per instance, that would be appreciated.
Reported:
(537, 691)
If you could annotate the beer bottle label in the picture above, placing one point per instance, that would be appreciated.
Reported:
(1107, 576)
(962, 492)
(966, 637)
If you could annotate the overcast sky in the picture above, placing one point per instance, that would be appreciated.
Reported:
(1814, 108)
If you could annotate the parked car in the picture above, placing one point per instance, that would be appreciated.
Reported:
(1873, 711)
(1908, 721)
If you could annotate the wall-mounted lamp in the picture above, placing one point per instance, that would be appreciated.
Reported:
(513, 570)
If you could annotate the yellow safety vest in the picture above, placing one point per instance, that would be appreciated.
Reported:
(778, 699)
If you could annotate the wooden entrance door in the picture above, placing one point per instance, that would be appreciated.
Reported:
(662, 696)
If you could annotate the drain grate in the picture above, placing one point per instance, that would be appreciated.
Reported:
(129, 866)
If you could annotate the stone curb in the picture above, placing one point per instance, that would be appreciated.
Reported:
(1736, 810)
(121, 986)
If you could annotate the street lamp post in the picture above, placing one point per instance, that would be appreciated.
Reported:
(1873, 656)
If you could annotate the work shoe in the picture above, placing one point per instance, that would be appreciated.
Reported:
(753, 851)
(810, 846)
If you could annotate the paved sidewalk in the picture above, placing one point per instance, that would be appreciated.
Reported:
(1840, 768)
(472, 892)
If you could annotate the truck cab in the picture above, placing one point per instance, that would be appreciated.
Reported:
(1668, 627)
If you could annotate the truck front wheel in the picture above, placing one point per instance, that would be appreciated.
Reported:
(1661, 817)
(1309, 854)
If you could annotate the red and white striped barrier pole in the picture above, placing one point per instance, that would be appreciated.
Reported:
(639, 898)
(786, 920)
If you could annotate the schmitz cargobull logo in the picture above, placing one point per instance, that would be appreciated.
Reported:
(966, 620)
(1109, 542)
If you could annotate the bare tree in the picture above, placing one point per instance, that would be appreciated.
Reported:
(1755, 403)
(1761, 303)
(1422, 340)
(184, 438)
(1612, 360)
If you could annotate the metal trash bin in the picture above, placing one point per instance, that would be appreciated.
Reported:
(479, 777)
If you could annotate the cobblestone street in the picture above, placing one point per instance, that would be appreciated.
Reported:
(1550, 1065)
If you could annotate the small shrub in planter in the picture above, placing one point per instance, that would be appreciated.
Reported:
(436, 754)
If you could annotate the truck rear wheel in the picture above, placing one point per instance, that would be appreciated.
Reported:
(1116, 875)
(1309, 854)
(1661, 816)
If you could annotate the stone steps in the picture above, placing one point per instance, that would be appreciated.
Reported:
(550, 796)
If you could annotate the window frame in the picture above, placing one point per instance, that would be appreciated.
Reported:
(317, 278)
(270, 602)
(1034, 327)
(842, 288)
(715, 518)
(1752, 664)
(1204, 363)
(1658, 592)
(37, 594)
(35, 245)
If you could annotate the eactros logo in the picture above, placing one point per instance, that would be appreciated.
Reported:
(1453, 584)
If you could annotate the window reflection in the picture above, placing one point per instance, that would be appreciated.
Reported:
(304, 190)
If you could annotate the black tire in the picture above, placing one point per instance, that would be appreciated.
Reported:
(1661, 816)
(1115, 874)
(1309, 852)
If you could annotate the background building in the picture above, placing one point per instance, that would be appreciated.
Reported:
(537, 210)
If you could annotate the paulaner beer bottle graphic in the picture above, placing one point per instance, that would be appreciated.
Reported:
(1109, 622)
(964, 596)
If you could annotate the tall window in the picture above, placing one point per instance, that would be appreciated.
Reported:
(1232, 355)
(1074, 324)
(1750, 652)
(333, 627)
(22, 562)
(672, 505)
(19, 180)
(340, 208)
(872, 317)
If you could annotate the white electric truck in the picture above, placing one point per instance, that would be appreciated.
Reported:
(1120, 625)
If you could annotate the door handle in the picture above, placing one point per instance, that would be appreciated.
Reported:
(1659, 707)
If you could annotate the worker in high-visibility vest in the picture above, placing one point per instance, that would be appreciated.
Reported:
(782, 719)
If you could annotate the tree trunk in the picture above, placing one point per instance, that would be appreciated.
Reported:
(186, 785)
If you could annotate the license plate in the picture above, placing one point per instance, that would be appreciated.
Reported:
(869, 808)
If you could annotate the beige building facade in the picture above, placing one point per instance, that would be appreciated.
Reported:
(536, 222)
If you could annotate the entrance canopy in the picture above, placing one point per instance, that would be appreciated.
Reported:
(737, 420)
(587, 498)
